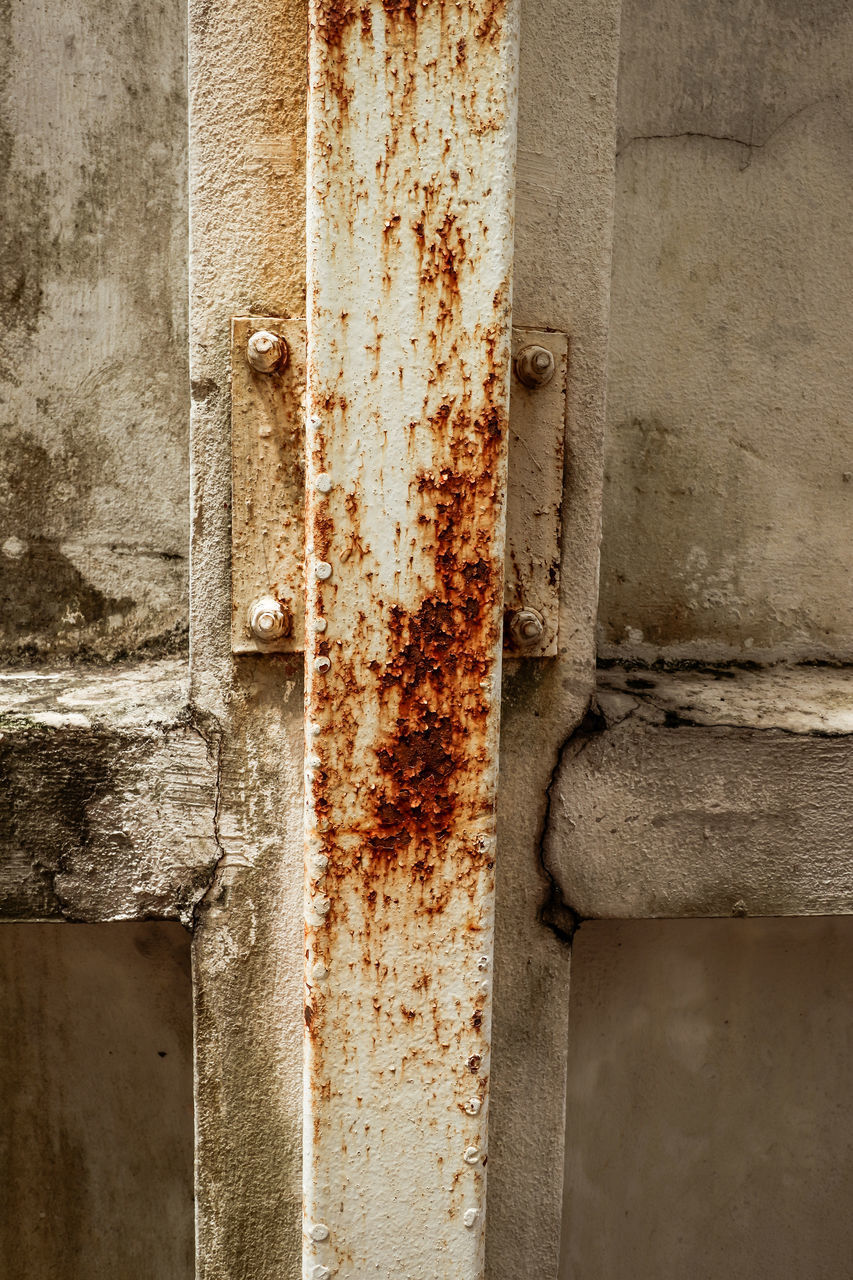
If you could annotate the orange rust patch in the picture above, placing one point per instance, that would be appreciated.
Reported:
(492, 20)
(402, 8)
(333, 17)
(440, 655)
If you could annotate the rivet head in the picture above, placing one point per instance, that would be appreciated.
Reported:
(14, 549)
(324, 482)
(472, 1155)
(322, 570)
(319, 1231)
(266, 351)
(534, 366)
(322, 664)
(526, 627)
(473, 1106)
(469, 1217)
(268, 620)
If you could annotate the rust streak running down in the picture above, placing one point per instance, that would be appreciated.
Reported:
(411, 157)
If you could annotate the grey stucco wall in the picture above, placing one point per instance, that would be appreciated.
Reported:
(93, 349)
(729, 451)
(710, 1075)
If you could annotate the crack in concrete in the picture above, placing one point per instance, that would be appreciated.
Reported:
(556, 913)
(213, 738)
(748, 144)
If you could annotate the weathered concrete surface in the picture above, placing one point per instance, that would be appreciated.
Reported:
(797, 699)
(96, 1143)
(93, 395)
(561, 279)
(248, 985)
(108, 795)
(710, 1076)
(247, 196)
(731, 795)
(730, 437)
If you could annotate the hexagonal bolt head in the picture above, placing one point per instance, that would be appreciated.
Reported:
(266, 351)
(526, 627)
(268, 620)
(534, 366)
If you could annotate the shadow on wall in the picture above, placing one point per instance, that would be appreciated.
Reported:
(41, 590)
(94, 395)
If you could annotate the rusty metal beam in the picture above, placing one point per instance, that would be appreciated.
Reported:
(411, 152)
(268, 493)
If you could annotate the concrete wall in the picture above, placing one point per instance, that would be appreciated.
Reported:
(96, 1140)
(93, 382)
(730, 433)
(710, 1078)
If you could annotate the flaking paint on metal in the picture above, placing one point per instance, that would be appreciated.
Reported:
(410, 178)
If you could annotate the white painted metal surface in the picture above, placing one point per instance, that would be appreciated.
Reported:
(410, 186)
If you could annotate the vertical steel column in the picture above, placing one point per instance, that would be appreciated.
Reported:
(411, 152)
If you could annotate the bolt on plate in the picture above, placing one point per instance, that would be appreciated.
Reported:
(535, 366)
(526, 627)
(268, 620)
(266, 351)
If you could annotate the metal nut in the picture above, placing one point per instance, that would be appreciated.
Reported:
(266, 351)
(526, 627)
(268, 621)
(534, 366)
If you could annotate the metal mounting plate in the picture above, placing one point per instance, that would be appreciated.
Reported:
(267, 484)
(535, 493)
(268, 488)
